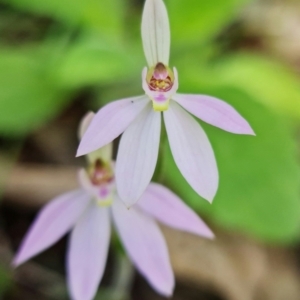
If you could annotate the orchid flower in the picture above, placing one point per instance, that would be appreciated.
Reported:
(141, 122)
(89, 212)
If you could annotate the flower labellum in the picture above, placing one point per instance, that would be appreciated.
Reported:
(140, 120)
(89, 211)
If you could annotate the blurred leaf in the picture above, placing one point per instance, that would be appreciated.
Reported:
(266, 80)
(92, 60)
(259, 176)
(5, 280)
(28, 95)
(104, 15)
(198, 20)
(7, 161)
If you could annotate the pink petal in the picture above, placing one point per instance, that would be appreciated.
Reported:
(87, 253)
(168, 208)
(156, 32)
(215, 112)
(192, 151)
(146, 246)
(54, 220)
(105, 152)
(109, 122)
(137, 155)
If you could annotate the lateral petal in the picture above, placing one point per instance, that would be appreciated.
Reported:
(156, 32)
(105, 152)
(163, 205)
(137, 155)
(109, 122)
(54, 221)
(146, 246)
(215, 112)
(192, 151)
(87, 253)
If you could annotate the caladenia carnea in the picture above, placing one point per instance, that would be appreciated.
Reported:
(140, 120)
(89, 211)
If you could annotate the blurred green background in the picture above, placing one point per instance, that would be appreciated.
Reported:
(59, 54)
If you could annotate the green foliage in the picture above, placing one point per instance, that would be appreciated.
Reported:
(28, 94)
(106, 16)
(5, 280)
(195, 21)
(259, 176)
(268, 81)
(92, 60)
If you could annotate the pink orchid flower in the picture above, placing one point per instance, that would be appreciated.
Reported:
(141, 122)
(89, 212)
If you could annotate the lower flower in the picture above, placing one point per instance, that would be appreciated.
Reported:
(90, 217)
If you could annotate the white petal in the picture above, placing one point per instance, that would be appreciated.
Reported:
(169, 209)
(156, 32)
(145, 246)
(137, 155)
(109, 122)
(192, 151)
(87, 254)
(54, 221)
(215, 112)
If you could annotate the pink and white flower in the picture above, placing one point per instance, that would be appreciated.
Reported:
(89, 211)
(140, 120)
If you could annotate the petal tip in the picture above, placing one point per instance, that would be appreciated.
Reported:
(205, 232)
(251, 132)
(212, 236)
(170, 292)
(210, 197)
(78, 154)
(81, 151)
(17, 261)
(14, 264)
(248, 130)
(209, 235)
(128, 204)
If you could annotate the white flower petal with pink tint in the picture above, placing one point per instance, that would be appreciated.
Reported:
(109, 122)
(104, 152)
(215, 112)
(169, 209)
(156, 32)
(88, 248)
(145, 245)
(54, 221)
(192, 151)
(137, 155)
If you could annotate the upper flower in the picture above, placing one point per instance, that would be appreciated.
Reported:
(160, 83)
(89, 212)
(140, 120)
